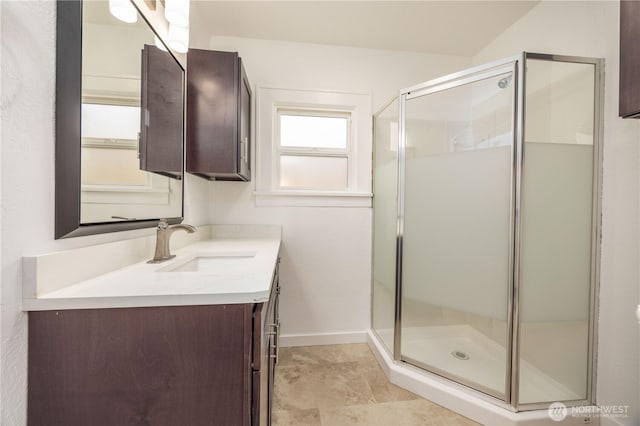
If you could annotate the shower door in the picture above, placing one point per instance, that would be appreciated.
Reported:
(457, 139)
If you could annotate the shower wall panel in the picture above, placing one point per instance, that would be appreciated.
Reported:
(385, 207)
(557, 223)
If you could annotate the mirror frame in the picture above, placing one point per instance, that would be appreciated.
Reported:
(68, 104)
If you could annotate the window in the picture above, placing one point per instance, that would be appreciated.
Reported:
(313, 148)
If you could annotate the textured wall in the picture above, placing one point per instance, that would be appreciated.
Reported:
(28, 77)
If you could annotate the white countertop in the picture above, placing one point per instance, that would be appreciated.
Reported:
(242, 273)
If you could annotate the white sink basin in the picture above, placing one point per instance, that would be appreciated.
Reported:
(210, 263)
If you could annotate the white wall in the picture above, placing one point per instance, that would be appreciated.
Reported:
(591, 29)
(326, 262)
(27, 153)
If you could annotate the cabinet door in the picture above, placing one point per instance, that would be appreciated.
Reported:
(629, 59)
(273, 333)
(264, 387)
(244, 138)
(271, 364)
(161, 114)
(161, 366)
(265, 351)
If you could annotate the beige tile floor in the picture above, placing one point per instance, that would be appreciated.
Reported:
(344, 385)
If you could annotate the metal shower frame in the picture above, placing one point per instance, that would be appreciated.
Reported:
(517, 65)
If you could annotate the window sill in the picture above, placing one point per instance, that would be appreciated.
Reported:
(313, 199)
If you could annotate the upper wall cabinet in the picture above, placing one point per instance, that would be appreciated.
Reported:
(629, 59)
(218, 116)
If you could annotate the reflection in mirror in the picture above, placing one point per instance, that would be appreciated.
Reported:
(131, 122)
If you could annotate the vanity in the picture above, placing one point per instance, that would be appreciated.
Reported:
(114, 340)
(191, 341)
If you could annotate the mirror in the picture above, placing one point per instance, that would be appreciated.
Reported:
(119, 124)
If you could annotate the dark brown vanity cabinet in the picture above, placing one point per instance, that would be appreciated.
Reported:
(162, 366)
(218, 116)
(629, 106)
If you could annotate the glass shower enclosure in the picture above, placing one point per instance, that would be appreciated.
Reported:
(486, 217)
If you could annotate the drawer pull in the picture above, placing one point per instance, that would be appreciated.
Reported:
(274, 347)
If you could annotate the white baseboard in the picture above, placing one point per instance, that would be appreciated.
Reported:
(287, 340)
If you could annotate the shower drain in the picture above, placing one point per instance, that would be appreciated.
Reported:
(460, 355)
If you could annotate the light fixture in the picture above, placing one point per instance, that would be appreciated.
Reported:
(159, 44)
(177, 12)
(123, 10)
(178, 38)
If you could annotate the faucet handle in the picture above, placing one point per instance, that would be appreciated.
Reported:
(162, 224)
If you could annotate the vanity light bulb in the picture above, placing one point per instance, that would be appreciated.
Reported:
(178, 38)
(159, 44)
(123, 10)
(177, 12)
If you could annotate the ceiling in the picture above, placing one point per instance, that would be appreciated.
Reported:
(445, 27)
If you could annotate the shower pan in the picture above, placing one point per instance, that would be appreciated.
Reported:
(486, 224)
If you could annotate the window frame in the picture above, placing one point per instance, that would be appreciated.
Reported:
(270, 104)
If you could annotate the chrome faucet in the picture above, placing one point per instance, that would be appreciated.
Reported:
(163, 235)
